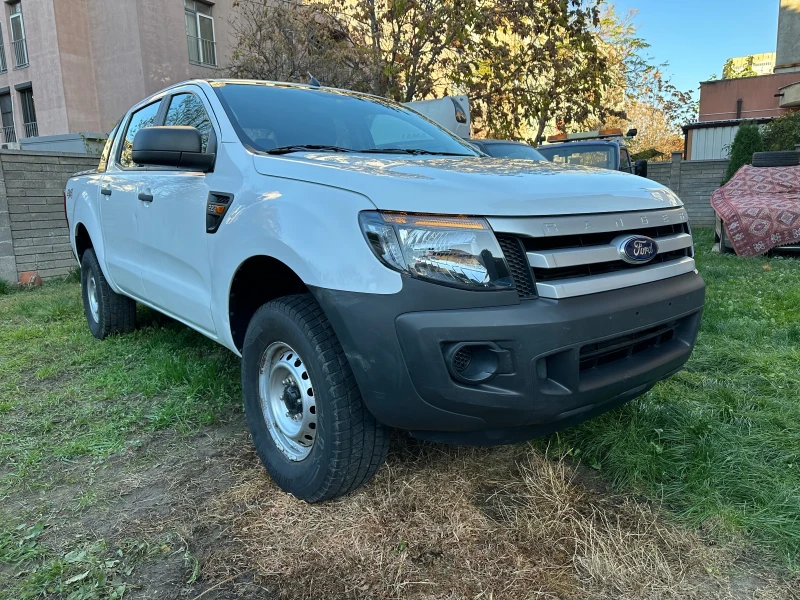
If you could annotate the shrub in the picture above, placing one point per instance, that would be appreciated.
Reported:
(748, 140)
(5, 287)
(782, 133)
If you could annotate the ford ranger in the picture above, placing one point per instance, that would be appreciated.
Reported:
(375, 271)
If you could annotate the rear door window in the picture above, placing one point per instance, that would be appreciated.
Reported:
(101, 168)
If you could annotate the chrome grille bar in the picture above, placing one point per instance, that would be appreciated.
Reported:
(572, 257)
(594, 284)
(575, 255)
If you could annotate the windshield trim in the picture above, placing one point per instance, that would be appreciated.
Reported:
(246, 141)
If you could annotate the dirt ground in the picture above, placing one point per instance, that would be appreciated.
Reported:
(197, 517)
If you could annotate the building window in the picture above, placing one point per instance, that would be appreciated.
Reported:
(28, 113)
(18, 37)
(200, 33)
(7, 111)
(3, 63)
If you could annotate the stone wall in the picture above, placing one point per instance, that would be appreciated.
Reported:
(693, 181)
(33, 231)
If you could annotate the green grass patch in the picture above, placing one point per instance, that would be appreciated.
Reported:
(719, 443)
(66, 395)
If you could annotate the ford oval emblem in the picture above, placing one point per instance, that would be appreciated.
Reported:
(636, 249)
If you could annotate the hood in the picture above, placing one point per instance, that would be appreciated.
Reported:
(473, 185)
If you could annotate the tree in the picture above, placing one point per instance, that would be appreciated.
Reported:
(782, 133)
(639, 94)
(731, 71)
(400, 49)
(746, 141)
(286, 41)
(529, 63)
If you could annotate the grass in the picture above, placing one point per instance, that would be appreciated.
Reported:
(68, 402)
(718, 445)
(67, 396)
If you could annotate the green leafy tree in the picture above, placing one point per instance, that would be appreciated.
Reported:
(529, 63)
(782, 133)
(747, 141)
(400, 49)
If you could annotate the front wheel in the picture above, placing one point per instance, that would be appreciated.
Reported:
(309, 425)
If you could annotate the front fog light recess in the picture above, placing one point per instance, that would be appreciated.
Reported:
(456, 251)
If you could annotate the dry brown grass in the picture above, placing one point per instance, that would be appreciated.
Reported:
(445, 523)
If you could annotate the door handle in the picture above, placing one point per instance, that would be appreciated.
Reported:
(146, 197)
(106, 191)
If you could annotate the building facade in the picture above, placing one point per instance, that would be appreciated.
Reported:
(75, 66)
(762, 64)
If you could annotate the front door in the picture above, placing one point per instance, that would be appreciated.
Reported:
(171, 214)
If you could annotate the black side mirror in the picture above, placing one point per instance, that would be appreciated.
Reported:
(177, 147)
(640, 168)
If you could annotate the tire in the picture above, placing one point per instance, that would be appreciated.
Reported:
(106, 311)
(789, 158)
(725, 246)
(294, 341)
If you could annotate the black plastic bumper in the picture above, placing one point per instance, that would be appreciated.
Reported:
(562, 360)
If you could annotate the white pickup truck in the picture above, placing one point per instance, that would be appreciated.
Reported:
(374, 271)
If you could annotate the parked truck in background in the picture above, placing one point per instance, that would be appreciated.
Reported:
(604, 149)
(374, 271)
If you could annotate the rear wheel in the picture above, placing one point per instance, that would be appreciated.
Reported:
(106, 311)
(304, 410)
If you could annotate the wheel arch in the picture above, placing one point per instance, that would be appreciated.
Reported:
(83, 240)
(256, 281)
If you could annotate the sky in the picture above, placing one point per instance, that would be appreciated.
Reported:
(696, 37)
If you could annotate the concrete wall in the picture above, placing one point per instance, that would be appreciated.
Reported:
(33, 231)
(788, 47)
(693, 181)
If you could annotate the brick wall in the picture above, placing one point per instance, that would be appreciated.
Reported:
(693, 181)
(33, 232)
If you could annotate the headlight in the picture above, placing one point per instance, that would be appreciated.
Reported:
(456, 251)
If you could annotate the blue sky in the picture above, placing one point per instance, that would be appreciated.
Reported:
(696, 37)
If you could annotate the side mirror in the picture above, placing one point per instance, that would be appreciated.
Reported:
(177, 147)
(640, 168)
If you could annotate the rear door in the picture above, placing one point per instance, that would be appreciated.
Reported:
(171, 216)
(118, 206)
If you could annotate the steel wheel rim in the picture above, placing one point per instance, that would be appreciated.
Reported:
(287, 401)
(91, 292)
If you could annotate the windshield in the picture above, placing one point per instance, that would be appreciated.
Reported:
(268, 117)
(513, 151)
(589, 155)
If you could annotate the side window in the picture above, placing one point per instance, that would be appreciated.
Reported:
(187, 110)
(101, 168)
(624, 160)
(144, 117)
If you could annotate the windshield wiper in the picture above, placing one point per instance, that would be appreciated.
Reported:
(306, 147)
(413, 151)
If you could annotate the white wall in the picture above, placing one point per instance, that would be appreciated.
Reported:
(712, 143)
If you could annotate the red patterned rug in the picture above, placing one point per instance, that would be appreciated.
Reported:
(760, 207)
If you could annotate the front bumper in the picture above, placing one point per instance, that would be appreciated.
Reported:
(562, 360)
